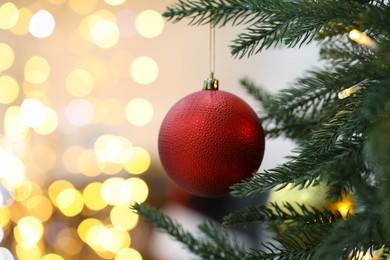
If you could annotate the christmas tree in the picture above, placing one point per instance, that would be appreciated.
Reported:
(339, 116)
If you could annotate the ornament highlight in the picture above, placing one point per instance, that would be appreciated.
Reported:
(210, 140)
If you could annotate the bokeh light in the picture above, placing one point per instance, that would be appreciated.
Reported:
(23, 252)
(22, 25)
(32, 112)
(9, 89)
(36, 70)
(114, 192)
(30, 230)
(149, 23)
(49, 124)
(105, 34)
(7, 56)
(79, 112)
(6, 254)
(139, 190)
(42, 24)
(92, 196)
(9, 15)
(82, 7)
(70, 202)
(86, 225)
(52, 257)
(14, 128)
(128, 253)
(79, 83)
(4, 217)
(71, 80)
(12, 170)
(144, 70)
(115, 149)
(139, 161)
(87, 163)
(114, 2)
(57, 2)
(56, 188)
(139, 111)
(123, 217)
(70, 158)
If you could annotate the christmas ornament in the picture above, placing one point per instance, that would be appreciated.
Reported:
(210, 140)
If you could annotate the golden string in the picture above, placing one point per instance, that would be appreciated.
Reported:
(212, 45)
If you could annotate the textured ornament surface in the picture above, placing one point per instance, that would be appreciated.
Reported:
(210, 140)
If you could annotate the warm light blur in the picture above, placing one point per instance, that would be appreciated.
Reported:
(113, 191)
(9, 89)
(114, 2)
(42, 24)
(7, 56)
(30, 230)
(79, 83)
(128, 253)
(70, 158)
(70, 202)
(49, 124)
(139, 112)
(144, 70)
(345, 206)
(149, 23)
(9, 15)
(79, 112)
(105, 34)
(39, 207)
(6, 254)
(88, 164)
(123, 217)
(52, 257)
(115, 149)
(139, 161)
(4, 217)
(14, 128)
(36, 70)
(138, 189)
(56, 188)
(25, 253)
(73, 92)
(12, 170)
(92, 196)
(32, 112)
(82, 7)
(21, 26)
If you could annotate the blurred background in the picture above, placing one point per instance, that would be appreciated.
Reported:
(84, 86)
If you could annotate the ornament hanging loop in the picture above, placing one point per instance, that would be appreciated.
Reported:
(211, 83)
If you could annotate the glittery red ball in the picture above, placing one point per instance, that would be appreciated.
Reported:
(210, 140)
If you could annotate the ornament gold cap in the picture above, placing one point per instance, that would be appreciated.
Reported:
(211, 83)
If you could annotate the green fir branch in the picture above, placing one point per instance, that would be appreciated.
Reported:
(259, 93)
(272, 22)
(276, 215)
(217, 244)
(310, 100)
(274, 252)
(226, 247)
(293, 23)
(352, 238)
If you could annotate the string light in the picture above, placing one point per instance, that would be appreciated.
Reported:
(361, 38)
(349, 91)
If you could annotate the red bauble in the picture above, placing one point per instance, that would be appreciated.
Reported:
(210, 140)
